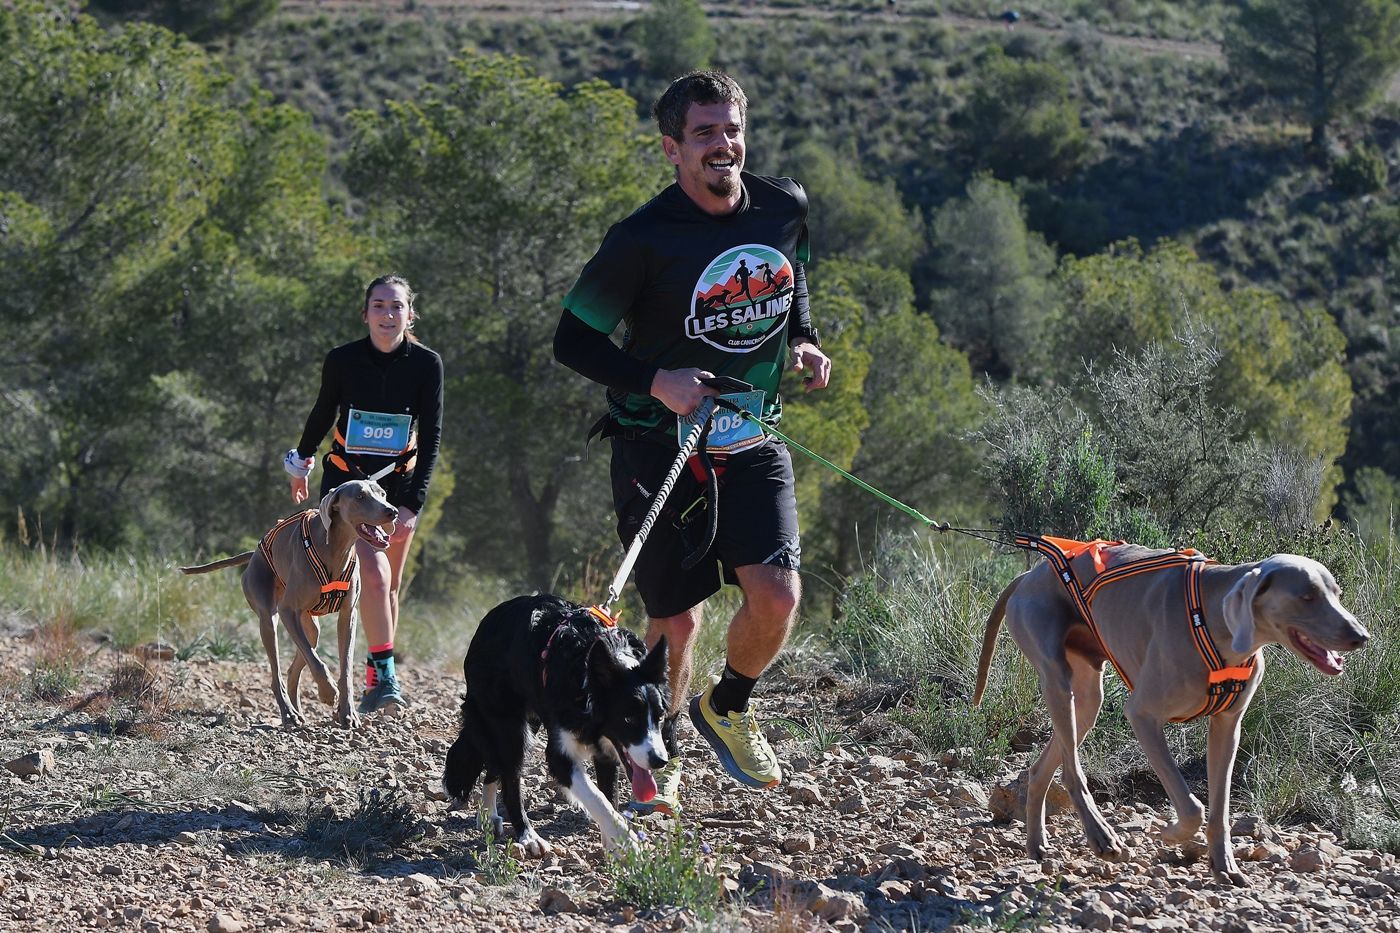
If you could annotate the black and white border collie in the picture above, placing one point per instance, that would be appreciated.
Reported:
(539, 660)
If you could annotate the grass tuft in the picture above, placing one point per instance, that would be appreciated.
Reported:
(672, 869)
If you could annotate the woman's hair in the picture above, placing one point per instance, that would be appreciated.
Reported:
(393, 278)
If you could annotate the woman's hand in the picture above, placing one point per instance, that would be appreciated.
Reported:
(298, 489)
(406, 524)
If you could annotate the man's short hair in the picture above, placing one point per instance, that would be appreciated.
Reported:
(698, 87)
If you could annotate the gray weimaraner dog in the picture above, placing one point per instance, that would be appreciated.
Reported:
(282, 579)
(1143, 627)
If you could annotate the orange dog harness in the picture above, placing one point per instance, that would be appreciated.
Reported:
(1224, 684)
(332, 591)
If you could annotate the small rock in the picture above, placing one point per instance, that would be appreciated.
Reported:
(157, 651)
(853, 804)
(805, 793)
(419, 883)
(35, 763)
(1309, 860)
(968, 794)
(186, 838)
(1096, 917)
(225, 923)
(796, 843)
(555, 901)
(833, 906)
(893, 890)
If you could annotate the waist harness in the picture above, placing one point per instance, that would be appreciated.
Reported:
(1224, 683)
(403, 461)
(332, 591)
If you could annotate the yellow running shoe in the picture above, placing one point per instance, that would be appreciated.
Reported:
(668, 791)
(736, 739)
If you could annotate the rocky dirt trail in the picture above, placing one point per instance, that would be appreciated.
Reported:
(163, 795)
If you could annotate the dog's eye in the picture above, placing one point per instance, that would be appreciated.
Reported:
(1309, 594)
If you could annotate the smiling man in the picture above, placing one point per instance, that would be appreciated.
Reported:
(680, 276)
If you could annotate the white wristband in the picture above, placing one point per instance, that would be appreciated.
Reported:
(296, 466)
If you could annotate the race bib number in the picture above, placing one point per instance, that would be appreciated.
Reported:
(730, 432)
(377, 434)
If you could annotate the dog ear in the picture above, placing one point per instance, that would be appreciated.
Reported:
(1239, 610)
(603, 667)
(327, 504)
(653, 667)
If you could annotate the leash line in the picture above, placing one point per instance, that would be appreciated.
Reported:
(986, 534)
(702, 417)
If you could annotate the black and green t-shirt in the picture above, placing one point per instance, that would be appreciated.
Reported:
(693, 289)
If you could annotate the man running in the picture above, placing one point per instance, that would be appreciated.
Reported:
(701, 237)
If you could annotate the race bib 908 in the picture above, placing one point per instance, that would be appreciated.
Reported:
(730, 432)
(377, 433)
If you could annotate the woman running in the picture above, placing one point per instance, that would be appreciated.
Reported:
(383, 394)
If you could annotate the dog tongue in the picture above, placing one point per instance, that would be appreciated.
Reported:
(643, 784)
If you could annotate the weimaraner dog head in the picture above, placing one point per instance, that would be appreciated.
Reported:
(362, 503)
(1293, 601)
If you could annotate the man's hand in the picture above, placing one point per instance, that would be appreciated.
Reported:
(298, 489)
(808, 357)
(681, 389)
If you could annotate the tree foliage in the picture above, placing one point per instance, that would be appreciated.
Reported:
(905, 409)
(1321, 58)
(480, 188)
(853, 217)
(675, 38)
(994, 290)
(1020, 121)
(143, 202)
(1281, 363)
(1158, 462)
(201, 20)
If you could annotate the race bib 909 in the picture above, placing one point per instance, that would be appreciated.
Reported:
(730, 432)
(377, 433)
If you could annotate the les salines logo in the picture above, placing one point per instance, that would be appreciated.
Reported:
(742, 298)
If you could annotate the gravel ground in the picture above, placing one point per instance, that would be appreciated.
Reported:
(163, 795)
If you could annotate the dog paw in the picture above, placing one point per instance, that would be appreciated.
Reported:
(328, 694)
(1227, 871)
(1181, 831)
(498, 825)
(532, 845)
(347, 717)
(1106, 844)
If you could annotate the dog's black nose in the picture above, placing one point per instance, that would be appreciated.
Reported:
(655, 760)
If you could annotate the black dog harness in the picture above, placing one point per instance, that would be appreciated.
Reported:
(1224, 683)
(332, 591)
(599, 615)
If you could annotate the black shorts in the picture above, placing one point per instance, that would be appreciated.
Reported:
(757, 520)
(396, 486)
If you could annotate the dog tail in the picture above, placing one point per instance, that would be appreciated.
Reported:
(237, 561)
(464, 760)
(989, 640)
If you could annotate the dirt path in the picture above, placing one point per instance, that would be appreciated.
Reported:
(168, 798)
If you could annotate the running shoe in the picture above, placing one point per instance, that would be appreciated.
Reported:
(737, 740)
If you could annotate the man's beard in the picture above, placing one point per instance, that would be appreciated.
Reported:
(725, 187)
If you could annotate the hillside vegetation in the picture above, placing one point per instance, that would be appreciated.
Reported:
(1087, 276)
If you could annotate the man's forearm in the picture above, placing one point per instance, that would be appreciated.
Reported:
(591, 354)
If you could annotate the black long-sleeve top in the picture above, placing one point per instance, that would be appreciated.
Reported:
(407, 380)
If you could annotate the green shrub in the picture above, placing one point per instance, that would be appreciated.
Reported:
(673, 869)
(1361, 171)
